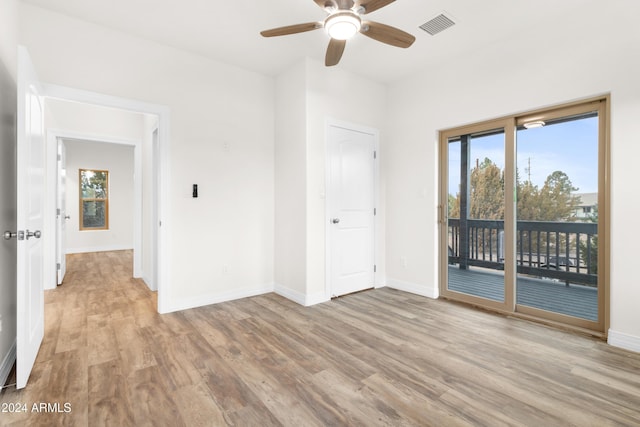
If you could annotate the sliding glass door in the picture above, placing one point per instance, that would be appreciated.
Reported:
(475, 220)
(522, 208)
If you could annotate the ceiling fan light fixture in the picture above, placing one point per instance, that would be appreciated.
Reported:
(342, 25)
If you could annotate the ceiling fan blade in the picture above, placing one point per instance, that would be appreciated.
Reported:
(291, 29)
(334, 52)
(387, 34)
(373, 5)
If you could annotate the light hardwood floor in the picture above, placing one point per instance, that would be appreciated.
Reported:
(380, 357)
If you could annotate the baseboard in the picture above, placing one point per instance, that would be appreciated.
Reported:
(7, 364)
(299, 297)
(98, 249)
(147, 281)
(622, 340)
(216, 298)
(413, 288)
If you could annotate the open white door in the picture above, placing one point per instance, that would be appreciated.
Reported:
(61, 213)
(30, 212)
(351, 204)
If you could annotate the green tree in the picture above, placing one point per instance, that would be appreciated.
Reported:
(453, 206)
(486, 191)
(528, 196)
(94, 184)
(556, 200)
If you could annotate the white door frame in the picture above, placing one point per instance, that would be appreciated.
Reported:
(61, 214)
(162, 233)
(53, 135)
(331, 122)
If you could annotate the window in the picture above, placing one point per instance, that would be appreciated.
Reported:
(94, 199)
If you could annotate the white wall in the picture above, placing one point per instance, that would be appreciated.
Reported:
(222, 138)
(93, 120)
(118, 160)
(8, 72)
(504, 79)
(290, 184)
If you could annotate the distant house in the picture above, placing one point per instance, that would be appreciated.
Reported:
(587, 205)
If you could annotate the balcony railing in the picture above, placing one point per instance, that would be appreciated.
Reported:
(565, 251)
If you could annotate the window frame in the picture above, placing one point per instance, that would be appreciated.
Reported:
(93, 199)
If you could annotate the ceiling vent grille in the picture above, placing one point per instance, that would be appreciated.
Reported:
(437, 24)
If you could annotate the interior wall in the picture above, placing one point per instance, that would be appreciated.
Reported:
(290, 184)
(118, 160)
(506, 79)
(8, 201)
(220, 245)
(90, 119)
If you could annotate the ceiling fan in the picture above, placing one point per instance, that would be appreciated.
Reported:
(344, 20)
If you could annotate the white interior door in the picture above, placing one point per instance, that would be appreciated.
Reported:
(61, 213)
(30, 212)
(351, 214)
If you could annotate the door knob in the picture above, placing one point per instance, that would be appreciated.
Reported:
(8, 235)
(37, 234)
(335, 220)
(67, 217)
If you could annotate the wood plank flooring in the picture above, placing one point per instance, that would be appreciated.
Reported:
(378, 358)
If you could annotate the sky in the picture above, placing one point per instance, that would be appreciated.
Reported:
(571, 147)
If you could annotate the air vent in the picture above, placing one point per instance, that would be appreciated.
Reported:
(437, 24)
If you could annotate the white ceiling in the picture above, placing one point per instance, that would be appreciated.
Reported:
(228, 31)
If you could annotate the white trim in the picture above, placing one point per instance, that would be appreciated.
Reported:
(317, 298)
(7, 364)
(99, 249)
(202, 300)
(414, 288)
(299, 297)
(622, 340)
(331, 122)
(164, 209)
(147, 281)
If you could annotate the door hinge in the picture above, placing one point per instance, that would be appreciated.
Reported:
(58, 266)
(375, 154)
(375, 212)
(374, 268)
(59, 157)
(58, 211)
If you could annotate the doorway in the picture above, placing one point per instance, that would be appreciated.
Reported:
(351, 208)
(525, 207)
(153, 157)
